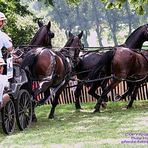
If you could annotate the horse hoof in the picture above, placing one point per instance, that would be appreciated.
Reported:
(129, 107)
(125, 108)
(50, 116)
(104, 105)
(96, 111)
(78, 108)
(117, 98)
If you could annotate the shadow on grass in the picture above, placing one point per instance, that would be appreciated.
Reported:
(66, 117)
(66, 114)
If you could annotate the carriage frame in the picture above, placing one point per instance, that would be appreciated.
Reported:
(18, 109)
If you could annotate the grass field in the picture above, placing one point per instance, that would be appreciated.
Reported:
(113, 127)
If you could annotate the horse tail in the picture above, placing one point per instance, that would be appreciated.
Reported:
(29, 59)
(105, 61)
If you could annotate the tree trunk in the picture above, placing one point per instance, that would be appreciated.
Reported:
(98, 25)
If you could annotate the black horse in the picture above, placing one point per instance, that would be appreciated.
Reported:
(52, 69)
(42, 38)
(89, 61)
(125, 64)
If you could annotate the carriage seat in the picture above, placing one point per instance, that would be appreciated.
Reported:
(19, 78)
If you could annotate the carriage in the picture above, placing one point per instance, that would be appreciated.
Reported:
(18, 107)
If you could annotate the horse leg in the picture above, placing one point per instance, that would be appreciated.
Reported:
(46, 94)
(127, 93)
(77, 94)
(103, 86)
(55, 102)
(34, 118)
(113, 84)
(133, 97)
(94, 88)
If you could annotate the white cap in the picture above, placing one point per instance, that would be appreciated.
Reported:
(2, 16)
(2, 62)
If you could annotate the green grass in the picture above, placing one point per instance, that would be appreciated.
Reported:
(72, 128)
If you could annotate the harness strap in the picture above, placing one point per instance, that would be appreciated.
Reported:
(53, 92)
(66, 61)
(52, 66)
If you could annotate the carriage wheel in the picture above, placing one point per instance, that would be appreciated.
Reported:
(23, 109)
(8, 117)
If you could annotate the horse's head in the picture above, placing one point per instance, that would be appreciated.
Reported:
(43, 36)
(74, 46)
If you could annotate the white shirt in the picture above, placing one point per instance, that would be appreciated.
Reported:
(5, 41)
(3, 83)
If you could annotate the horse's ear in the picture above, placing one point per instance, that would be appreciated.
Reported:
(80, 35)
(70, 34)
(40, 23)
(49, 25)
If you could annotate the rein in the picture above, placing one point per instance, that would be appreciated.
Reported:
(33, 46)
(25, 46)
(109, 77)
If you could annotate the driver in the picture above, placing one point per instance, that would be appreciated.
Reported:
(5, 40)
(5, 97)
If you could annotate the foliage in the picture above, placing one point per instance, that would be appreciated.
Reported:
(75, 16)
(138, 5)
(42, 12)
(47, 2)
(15, 14)
(60, 38)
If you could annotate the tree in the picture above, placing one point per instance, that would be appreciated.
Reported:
(138, 5)
(16, 16)
(91, 16)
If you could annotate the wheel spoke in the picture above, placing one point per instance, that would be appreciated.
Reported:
(9, 117)
(24, 114)
(28, 103)
(21, 106)
(21, 120)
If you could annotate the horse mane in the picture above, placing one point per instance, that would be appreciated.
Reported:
(36, 35)
(64, 50)
(79, 66)
(133, 34)
(68, 42)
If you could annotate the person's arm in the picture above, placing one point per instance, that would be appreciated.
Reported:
(10, 49)
(7, 43)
